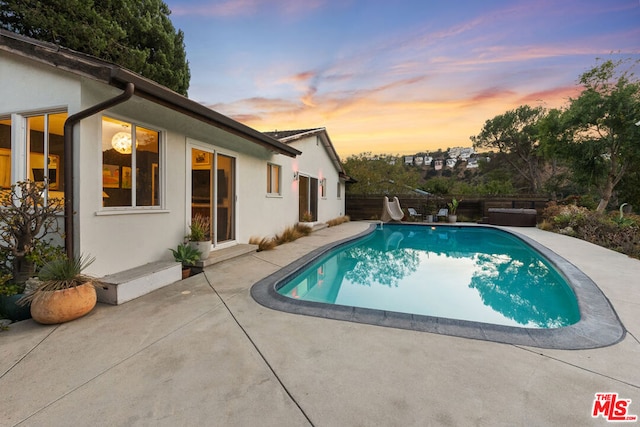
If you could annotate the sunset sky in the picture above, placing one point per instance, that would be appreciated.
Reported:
(395, 77)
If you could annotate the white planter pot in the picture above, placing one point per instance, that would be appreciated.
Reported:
(203, 247)
(452, 218)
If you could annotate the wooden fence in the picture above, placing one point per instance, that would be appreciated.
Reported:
(361, 207)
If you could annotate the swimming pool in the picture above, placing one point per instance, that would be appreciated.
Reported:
(470, 281)
(473, 273)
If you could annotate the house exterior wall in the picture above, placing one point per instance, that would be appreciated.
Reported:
(263, 215)
(316, 163)
(121, 239)
(27, 85)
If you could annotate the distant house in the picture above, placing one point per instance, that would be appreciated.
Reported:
(461, 153)
(472, 163)
(451, 163)
(136, 161)
(408, 160)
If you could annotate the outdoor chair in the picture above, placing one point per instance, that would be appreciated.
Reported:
(414, 214)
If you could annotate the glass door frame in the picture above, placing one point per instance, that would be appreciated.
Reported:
(214, 152)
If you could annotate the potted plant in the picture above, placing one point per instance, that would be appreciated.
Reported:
(187, 255)
(63, 292)
(10, 293)
(200, 235)
(453, 206)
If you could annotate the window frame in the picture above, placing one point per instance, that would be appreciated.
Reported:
(161, 166)
(20, 146)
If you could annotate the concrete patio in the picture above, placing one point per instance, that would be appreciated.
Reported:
(202, 352)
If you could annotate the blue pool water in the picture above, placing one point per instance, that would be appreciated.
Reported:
(476, 274)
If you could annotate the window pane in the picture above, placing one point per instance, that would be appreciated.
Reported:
(147, 161)
(116, 162)
(55, 170)
(45, 140)
(5, 153)
(276, 179)
(273, 179)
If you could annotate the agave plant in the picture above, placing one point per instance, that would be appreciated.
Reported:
(61, 273)
(186, 254)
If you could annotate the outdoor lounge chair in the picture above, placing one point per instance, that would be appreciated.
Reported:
(444, 212)
(414, 214)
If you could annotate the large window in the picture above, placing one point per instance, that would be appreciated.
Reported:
(274, 179)
(130, 171)
(32, 148)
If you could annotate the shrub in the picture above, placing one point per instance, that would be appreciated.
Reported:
(289, 234)
(264, 243)
(612, 231)
(339, 220)
(199, 229)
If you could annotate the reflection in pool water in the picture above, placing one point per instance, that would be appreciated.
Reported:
(466, 273)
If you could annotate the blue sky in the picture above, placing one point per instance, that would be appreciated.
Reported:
(395, 77)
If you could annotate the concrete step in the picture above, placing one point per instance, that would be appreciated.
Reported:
(219, 255)
(124, 286)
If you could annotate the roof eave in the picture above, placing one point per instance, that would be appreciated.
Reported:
(158, 94)
(114, 75)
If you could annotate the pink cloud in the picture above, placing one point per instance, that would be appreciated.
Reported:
(553, 96)
(290, 8)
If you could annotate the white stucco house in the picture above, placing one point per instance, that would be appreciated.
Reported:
(128, 203)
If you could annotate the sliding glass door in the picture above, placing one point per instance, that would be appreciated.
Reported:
(213, 192)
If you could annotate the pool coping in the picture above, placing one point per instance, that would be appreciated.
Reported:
(599, 324)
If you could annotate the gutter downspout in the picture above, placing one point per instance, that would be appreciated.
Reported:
(69, 124)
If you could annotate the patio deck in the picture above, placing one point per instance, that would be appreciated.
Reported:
(203, 352)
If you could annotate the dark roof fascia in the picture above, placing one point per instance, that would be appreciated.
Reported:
(158, 94)
(114, 75)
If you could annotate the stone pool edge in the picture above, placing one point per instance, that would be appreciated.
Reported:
(599, 324)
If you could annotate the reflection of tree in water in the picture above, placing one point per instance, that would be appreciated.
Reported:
(382, 261)
(523, 289)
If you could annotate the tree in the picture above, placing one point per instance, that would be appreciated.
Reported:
(136, 34)
(599, 127)
(382, 174)
(515, 133)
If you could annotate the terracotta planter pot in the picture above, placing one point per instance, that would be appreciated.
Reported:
(186, 272)
(62, 306)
